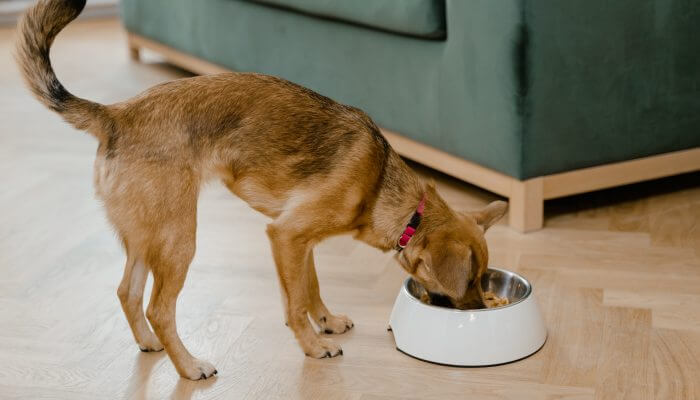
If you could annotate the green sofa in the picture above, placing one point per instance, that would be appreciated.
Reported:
(532, 99)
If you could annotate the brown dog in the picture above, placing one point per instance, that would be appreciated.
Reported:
(316, 167)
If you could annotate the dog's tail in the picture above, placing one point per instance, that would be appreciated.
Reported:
(36, 32)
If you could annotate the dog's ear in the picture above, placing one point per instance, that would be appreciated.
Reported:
(489, 214)
(449, 266)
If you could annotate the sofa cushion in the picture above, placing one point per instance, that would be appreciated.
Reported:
(421, 18)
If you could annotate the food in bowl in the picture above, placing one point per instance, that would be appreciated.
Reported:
(491, 299)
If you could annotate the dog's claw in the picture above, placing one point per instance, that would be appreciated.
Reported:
(203, 376)
(335, 324)
(340, 353)
(216, 372)
(328, 355)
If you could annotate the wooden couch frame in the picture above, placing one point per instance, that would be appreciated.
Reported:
(526, 197)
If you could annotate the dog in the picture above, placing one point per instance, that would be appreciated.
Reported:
(317, 168)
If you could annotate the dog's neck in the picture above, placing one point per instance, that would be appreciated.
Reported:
(398, 194)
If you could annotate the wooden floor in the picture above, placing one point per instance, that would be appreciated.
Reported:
(616, 273)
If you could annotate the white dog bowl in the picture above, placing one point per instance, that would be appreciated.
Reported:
(470, 337)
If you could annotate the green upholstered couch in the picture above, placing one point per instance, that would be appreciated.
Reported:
(521, 97)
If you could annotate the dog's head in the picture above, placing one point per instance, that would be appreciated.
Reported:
(451, 256)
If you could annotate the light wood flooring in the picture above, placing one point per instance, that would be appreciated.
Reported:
(616, 273)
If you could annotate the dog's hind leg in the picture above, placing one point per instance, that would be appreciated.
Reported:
(155, 211)
(169, 260)
(130, 294)
(327, 322)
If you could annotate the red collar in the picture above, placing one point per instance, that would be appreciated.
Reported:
(412, 226)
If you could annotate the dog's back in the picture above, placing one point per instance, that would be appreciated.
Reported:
(246, 122)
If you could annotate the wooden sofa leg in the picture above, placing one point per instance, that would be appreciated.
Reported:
(134, 54)
(526, 205)
(134, 51)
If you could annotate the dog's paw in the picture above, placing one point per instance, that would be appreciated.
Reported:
(335, 324)
(324, 348)
(198, 369)
(151, 345)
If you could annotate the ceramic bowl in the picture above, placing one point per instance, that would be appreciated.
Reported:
(477, 337)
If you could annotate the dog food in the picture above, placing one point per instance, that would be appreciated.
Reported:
(491, 300)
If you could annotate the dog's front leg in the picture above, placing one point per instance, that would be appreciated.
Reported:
(291, 250)
(327, 322)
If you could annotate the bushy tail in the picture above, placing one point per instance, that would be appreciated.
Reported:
(36, 31)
